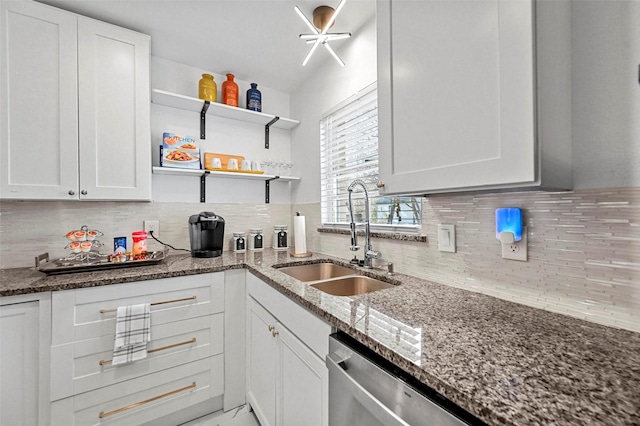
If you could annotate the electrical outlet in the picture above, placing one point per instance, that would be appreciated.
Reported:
(152, 226)
(516, 250)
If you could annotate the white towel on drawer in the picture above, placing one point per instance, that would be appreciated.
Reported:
(133, 332)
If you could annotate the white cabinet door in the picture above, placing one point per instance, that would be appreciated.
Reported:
(287, 379)
(38, 102)
(19, 364)
(114, 111)
(75, 107)
(262, 359)
(456, 100)
(304, 386)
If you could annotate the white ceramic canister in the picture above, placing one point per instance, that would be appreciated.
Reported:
(280, 237)
(256, 240)
(239, 242)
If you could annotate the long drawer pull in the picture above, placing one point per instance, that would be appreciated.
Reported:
(102, 414)
(186, 342)
(104, 311)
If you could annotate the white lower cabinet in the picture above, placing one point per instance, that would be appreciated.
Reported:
(184, 365)
(23, 351)
(287, 380)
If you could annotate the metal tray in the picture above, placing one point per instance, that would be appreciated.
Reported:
(98, 262)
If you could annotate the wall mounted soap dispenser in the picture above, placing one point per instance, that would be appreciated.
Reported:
(511, 233)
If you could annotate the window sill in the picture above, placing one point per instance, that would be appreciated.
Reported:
(384, 235)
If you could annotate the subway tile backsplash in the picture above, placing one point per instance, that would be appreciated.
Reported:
(584, 250)
(584, 246)
(28, 228)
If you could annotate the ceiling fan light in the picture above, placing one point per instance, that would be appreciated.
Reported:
(323, 16)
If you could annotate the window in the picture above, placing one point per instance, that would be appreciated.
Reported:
(349, 151)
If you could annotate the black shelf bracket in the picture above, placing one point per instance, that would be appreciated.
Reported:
(266, 131)
(203, 120)
(203, 187)
(267, 185)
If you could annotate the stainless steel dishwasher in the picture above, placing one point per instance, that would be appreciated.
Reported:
(364, 390)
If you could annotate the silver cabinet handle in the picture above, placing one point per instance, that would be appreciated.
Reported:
(72, 192)
(368, 401)
(83, 192)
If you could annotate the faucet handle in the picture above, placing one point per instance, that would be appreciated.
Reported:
(372, 254)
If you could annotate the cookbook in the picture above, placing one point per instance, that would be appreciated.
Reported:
(179, 151)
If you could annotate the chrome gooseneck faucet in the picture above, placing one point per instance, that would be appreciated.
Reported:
(369, 253)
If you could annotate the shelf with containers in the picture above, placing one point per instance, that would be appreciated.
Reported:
(188, 103)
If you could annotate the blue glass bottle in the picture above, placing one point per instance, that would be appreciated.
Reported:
(254, 98)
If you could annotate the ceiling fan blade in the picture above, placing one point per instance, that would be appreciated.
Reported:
(305, 19)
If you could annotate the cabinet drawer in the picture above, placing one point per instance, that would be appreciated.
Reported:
(85, 365)
(144, 399)
(89, 313)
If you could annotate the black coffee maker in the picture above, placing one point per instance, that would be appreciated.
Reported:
(206, 233)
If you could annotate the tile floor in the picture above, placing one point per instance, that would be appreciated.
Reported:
(238, 417)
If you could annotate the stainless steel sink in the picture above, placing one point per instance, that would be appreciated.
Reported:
(351, 286)
(316, 271)
(334, 279)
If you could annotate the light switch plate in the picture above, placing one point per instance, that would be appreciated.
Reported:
(447, 238)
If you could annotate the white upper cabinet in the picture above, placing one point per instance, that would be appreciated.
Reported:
(75, 109)
(39, 102)
(114, 110)
(473, 95)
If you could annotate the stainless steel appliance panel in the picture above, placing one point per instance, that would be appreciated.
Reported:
(362, 393)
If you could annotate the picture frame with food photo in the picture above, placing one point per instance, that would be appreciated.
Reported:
(179, 151)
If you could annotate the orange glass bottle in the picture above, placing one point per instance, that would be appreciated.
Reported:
(230, 91)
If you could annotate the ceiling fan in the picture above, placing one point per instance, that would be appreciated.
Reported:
(323, 18)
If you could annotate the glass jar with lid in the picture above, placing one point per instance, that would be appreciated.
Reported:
(280, 237)
(239, 242)
(256, 240)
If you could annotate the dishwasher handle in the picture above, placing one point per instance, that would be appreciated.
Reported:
(368, 401)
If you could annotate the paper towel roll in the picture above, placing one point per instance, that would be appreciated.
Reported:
(300, 235)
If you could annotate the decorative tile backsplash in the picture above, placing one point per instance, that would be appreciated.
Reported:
(30, 228)
(583, 249)
(584, 246)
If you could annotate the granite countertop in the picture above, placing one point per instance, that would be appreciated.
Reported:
(505, 363)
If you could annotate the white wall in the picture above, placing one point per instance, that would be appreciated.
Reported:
(330, 85)
(606, 93)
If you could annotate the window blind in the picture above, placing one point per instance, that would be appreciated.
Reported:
(349, 151)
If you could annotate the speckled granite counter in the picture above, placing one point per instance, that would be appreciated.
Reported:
(503, 362)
